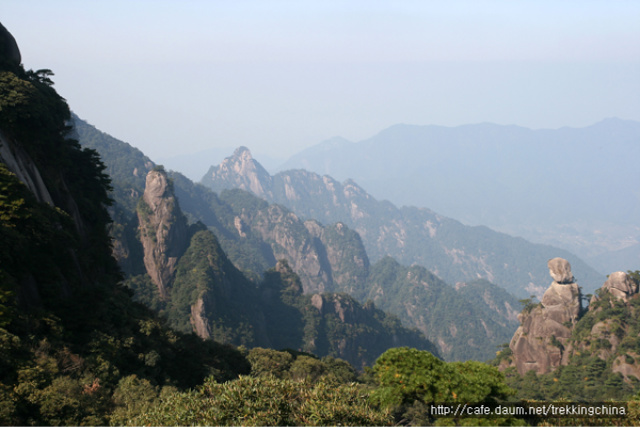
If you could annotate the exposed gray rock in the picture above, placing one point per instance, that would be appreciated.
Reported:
(620, 365)
(198, 319)
(163, 230)
(560, 270)
(562, 302)
(620, 285)
(19, 162)
(240, 171)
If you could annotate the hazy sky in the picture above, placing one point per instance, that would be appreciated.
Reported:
(174, 77)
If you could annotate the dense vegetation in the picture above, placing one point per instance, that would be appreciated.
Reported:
(450, 319)
(70, 336)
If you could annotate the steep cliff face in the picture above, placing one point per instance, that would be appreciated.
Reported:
(212, 298)
(163, 230)
(346, 255)
(290, 240)
(327, 259)
(539, 343)
(19, 162)
(35, 145)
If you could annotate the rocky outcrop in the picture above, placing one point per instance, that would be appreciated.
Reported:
(163, 230)
(560, 270)
(198, 319)
(621, 286)
(290, 240)
(622, 365)
(9, 51)
(19, 162)
(541, 341)
(614, 336)
(327, 259)
(345, 254)
(609, 330)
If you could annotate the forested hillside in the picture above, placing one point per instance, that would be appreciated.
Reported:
(179, 267)
(72, 339)
(331, 258)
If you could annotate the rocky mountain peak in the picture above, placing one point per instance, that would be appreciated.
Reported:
(243, 153)
(240, 170)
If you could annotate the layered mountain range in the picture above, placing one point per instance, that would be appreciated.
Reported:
(451, 250)
(467, 321)
(184, 273)
(547, 185)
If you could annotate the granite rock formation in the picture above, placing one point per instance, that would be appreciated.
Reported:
(620, 285)
(9, 51)
(541, 341)
(560, 270)
(240, 171)
(163, 230)
(18, 161)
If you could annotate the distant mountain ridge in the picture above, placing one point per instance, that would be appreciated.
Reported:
(547, 185)
(452, 251)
